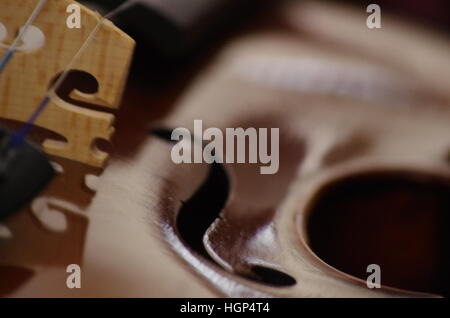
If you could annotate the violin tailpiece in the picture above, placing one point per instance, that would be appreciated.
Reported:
(46, 51)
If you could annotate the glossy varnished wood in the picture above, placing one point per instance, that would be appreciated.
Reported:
(125, 235)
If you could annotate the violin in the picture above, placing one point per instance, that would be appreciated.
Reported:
(353, 121)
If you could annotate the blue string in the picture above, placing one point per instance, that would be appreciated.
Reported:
(18, 137)
(5, 59)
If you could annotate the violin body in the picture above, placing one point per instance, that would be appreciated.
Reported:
(363, 174)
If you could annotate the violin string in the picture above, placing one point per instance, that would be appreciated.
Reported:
(12, 49)
(18, 138)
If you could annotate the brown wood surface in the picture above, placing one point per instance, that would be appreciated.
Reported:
(270, 74)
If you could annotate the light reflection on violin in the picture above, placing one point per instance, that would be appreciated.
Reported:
(343, 110)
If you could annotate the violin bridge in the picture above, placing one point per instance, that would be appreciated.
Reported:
(44, 54)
